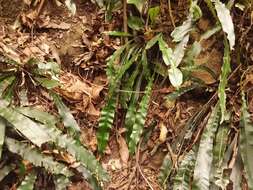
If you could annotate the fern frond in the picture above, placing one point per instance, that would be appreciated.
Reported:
(7, 94)
(36, 158)
(246, 141)
(221, 155)
(165, 171)
(61, 182)
(108, 112)
(204, 159)
(2, 136)
(27, 127)
(135, 53)
(226, 21)
(225, 70)
(110, 71)
(127, 87)
(144, 62)
(74, 147)
(132, 110)
(28, 182)
(39, 134)
(184, 173)
(176, 94)
(130, 118)
(83, 155)
(105, 123)
(38, 115)
(67, 118)
(140, 118)
(90, 178)
(5, 171)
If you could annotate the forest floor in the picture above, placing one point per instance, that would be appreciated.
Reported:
(78, 43)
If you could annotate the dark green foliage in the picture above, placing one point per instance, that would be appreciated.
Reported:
(246, 141)
(105, 123)
(139, 118)
(39, 128)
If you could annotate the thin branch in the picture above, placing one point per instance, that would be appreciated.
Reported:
(125, 18)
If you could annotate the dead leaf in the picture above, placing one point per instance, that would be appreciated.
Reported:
(53, 25)
(123, 150)
(10, 53)
(91, 110)
(73, 88)
(211, 60)
(112, 164)
(88, 137)
(163, 132)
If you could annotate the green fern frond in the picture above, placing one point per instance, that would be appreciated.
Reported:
(135, 53)
(132, 110)
(38, 115)
(5, 170)
(61, 182)
(140, 118)
(130, 118)
(67, 118)
(27, 127)
(39, 134)
(110, 71)
(28, 182)
(165, 171)
(246, 141)
(182, 180)
(73, 146)
(108, 112)
(204, 159)
(7, 94)
(90, 178)
(36, 158)
(225, 70)
(105, 123)
(221, 155)
(127, 87)
(176, 94)
(144, 62)
(2, 136)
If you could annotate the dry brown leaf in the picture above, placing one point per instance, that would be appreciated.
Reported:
(163, 132)
(88, 137)
(213, 61)
(96, 91)
(73, 88)
(53, 25)
(91, 110)
(113, 164)
(9, 52)
(123, 150)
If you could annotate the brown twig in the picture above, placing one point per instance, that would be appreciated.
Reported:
(171, 15)
(125, 19)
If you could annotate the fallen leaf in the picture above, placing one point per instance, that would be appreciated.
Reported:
(123, 150)
(53, 25)
(112, 164)
(91, 110)
(212, 60)
(10, 53)
(163, 132)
